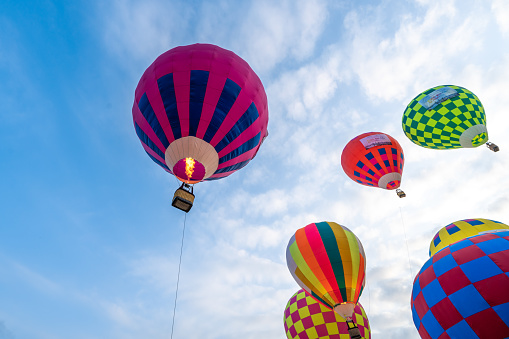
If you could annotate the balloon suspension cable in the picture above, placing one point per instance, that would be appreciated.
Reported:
(353, 330)
(406, 242)
(178, 276)
(492, 146)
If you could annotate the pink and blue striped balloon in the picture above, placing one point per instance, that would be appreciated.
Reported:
(200, 112)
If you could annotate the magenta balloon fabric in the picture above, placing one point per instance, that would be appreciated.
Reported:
(180, 170)
(203, 91)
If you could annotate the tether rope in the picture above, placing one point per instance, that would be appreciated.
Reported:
(178, 276)
(407, 249)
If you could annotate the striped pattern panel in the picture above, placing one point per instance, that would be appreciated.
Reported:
(367, 166)
(306, 318)
(442, 126)
(463, 290)
(460, 230)
(203, 91)
(328, 261)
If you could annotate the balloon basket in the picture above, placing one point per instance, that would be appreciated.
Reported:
(183, 198)
(400, 193)
(492, 146)
(353, 330)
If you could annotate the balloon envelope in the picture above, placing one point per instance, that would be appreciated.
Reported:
(328, 261)
(460, 230)
(445, 117)
(463, 290)
(374, 159)
(200, 112)
(306, 318)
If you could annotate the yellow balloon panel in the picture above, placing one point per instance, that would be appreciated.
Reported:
(460, 230)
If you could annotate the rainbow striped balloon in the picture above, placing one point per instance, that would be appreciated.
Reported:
(328, 261)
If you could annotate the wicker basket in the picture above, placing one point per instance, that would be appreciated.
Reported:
(183, 199)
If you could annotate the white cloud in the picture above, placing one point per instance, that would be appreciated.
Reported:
(225, 284)
(270, 32)
(142, 30)
(500, 10)
(303, 92)
(119, 314)
(158, 269)
(262, 32)
(423, 51)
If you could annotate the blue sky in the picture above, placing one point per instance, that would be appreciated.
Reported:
(89, 243)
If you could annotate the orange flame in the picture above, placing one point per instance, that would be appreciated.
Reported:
(189, 167)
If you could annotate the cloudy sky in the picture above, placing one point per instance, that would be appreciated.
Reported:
(89, 244)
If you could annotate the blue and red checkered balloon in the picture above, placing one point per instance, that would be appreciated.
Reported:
(463, 290)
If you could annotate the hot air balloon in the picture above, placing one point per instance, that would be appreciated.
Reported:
(460, 230)
(327, 260)
(306, 318)
(200, 113)
(463, 290)
(374, 159)
(446, 117)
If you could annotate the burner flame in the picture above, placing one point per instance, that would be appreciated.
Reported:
(189, 167)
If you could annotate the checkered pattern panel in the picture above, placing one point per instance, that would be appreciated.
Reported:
(306, 318)
(463, 290)
(442, 126)
(460, 230)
